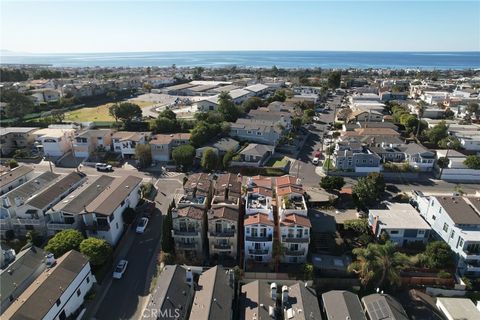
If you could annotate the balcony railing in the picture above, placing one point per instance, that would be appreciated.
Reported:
(258, 251)
(186, 233)
(60, 226)
(183, 245)
(300, 252)
(97, 227)
(259, 239)
(222, 246)
(222, 234)
(304, 239)
(22, 222)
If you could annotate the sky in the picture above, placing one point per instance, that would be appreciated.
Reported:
(134, 26)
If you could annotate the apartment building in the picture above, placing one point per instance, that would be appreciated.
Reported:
(162, 145)
(15, 177)
(102, 217)
(16, 138)
(57, 292)
(188, 231)
(223, 216)
(124, 142)
(456, 220)
(259, 229)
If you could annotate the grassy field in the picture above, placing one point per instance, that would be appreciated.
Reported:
(99, 113)
(277, 163)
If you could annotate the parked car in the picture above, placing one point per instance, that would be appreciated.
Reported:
(142, 225)
(317, 154)
(103, 167)
(120, 269)
(315, 161)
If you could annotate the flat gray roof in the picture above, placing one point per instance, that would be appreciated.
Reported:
(459, 210)
(14, 174)
(339, 304)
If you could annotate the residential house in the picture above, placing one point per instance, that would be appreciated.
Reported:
(299, 301)
(383, 306)
(258, 89)
(400, 222)
(456, 220)
(20, 274)
(258, 300)
(162, 145)
(388, 154)
(434, 97)
(16, 138)
(253, 155)
(173, 288)
(370, 97)
(258, 237)
(214, 295)
(89, 141)
(430, 111)
(259, 196)
(223, 216)
(458, 308)
(248, 130)
(265, 116)
(14, 199)
(339, 304)
(353, 156)
(103, 216)
(54, 142)
(15, 177)
(57, 293)
(67, 214)
(220, 146)
(456, 170)
(364, 116)
(28, 212)
(188, 231)
(418, 156)
(124, 142)
(46, 95)
(469, 140)
(290, 196)
(371, 132)
(386, 96)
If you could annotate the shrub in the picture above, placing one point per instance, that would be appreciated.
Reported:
(63, 242)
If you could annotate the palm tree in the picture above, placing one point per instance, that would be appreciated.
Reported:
(421, 106)
(379, 264)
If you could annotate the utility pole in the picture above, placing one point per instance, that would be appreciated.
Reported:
(449, 144)
(50, 163)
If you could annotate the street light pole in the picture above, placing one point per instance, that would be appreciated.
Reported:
(449, 144)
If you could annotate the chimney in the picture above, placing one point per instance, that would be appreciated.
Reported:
(284, 294)
(189, 276)
(50, 260)
(273, 291)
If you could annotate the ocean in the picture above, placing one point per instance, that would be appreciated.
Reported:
(256, 59)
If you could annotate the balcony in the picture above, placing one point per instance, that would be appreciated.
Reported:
(299, 252)
(97, 227)
(259, 239)
(22, 222)
(222, 246)
(470, 255)
(222, 234)
(186, 246)
(295, 239)
(60, 226)
(185, 233)
(258, 251)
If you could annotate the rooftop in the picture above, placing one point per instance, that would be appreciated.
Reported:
(14, 174)
(459, 210)
(130, 136)
(341, 304)
(113, 195)
(228, 183)
(53, 192)
(253, 295)
(214, 296)
(40, 296)
(400, 216)
(383, 306)
(458, 308)
(302, 303)
(52, 132)
(168, 138)
(30, 188)
(93, 133)
(191, 212)
(257, 149)
(226, 213)
(293, 219)
(7, 130)
(258, 218)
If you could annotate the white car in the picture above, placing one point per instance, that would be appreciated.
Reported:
(142, 225)
(120, 269)
(103, 167)
(315, 161)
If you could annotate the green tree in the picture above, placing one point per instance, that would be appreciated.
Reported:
(167, 226)
(183, 155)
(97, 250)
(296, 123)
(113, 111)
(331, 183)
(367, 190)
(148, 86)
(472, 162)
(143, 153)
(437, 255)
(280, 95)
(473, 108)
(359, 226)
(197, 73)
(209, 159)
(334, 79)
(410, 121)
(58, 115)
(450, 142)
(443, 162)
(18, 104)
(34, 238)
(227, 158)
(163, 125)
(127, 112)
(449, 114)
(378, 181)
(63, 242)
(308, 271)
(437, 133)
(169, 114)
(12, 163)
(227, 107)
(252, 103)
(379, 264)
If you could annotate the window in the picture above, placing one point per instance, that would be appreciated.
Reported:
(445, 227)
(122, 203)
(421, 231)
(58, 302)
(434, 218)
(453, 234)
(394, 232)
(117, 225)
(461, 242)
(259, 133)
(110, 217)
(78, 293)
(88, 279)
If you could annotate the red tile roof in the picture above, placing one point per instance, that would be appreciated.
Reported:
(296, 219)
(258, 218)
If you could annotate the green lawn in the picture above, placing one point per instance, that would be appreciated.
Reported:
(327, 164)
(99, 113)
(277, 163)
